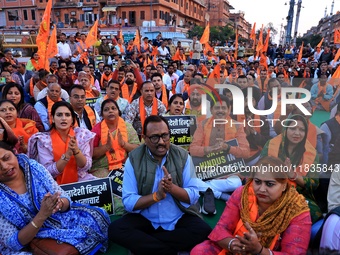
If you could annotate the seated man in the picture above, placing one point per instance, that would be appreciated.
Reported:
(322, 94)
(211, 137)
(159, 190)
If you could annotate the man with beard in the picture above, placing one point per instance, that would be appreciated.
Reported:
(173, 76)
(183, 85)
(166, 78)
(107, 75)
(129, 90)
(242, 82)
(64, 50)
(113, 92)
(86, 116)
(8, 67)
(161, 92)
(64, 81)
(159, 193)
(99, 71)
(44, 105)
(193, 105)
(211, 137)
(322, 94)
(144, 106)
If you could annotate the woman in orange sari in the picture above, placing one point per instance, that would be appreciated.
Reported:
(265, 215)
(22, 128)
(34, 63)
(66, 152)
(114, 139)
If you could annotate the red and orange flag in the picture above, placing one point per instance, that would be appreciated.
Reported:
(52, 48)
(205, 37)
(259, 45)
(136, 41)
(336, 36)
(44, 33)
(300, 53)
(92, 35)
(253, 34)
(320, 43)
(266, 42)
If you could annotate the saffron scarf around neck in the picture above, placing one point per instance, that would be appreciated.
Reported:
(142, 111)
(229, 131)
(117, 155)
(59, 147)
(126, 94)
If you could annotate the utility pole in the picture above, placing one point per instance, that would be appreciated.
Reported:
(290, 21)
(297, 20)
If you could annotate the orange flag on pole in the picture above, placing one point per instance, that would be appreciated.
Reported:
(335, 77)
(120, 35)
(52, 48)
(336, 36)
(263, 61)
(259, 45)
(205, 37)
(300, 53)
(337, 55)
(236, 45)
(207, 48)
(176, 56)
(92, 35)
(136, 41)
(44, 33)
(253, 34)
(320, 43)
(266, 42)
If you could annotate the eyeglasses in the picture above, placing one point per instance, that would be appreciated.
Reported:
(155, 138)
(113, 88)
(77, 97)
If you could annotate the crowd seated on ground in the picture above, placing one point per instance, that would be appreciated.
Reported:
(82, 119)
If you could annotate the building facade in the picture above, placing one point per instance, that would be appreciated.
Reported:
(218, 11)
(239, 23)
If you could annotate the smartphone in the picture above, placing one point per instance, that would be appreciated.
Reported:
(2, 80)
(128, 62)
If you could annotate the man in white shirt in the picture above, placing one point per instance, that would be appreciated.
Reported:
(163, 51)
(196, 49)
(64, 50)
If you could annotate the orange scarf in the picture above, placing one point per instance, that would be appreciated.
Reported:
(105, 78)
(142, 111)
(130, 47)
(121, 48)
(230, 58)
(36, 64)
(126, 94)
(50, 103)
(59, 147)
(186, 87)
(229, 131)
(146, 46)
(173, 86)
(31, 87)
(164, 98)
(11, 61)
(89, 93)
(90, 115)
(25, 128)
(117, 156)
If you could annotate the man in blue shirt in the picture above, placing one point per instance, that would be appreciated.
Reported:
(159, 192)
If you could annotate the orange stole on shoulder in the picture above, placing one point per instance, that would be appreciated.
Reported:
(142, 111)
(59, 147)
(116, 157)
(90, 115)
(25, 128)
(229, 131)
(253, 211)
(50, 104)
(125, 92)
(164, 97)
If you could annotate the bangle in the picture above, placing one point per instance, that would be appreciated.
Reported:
(230, 242)
(34, 225)
(259, 253)
(154, 197)
(76, 153)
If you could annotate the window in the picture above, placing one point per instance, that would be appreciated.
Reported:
(25, 15)
(155, 14)
(187, 6)
(194, 9)
(181, 3)
(67, 18)
(142, 14)
(81, 18)
(123, 15)
(13, 15)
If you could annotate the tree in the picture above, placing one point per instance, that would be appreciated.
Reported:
(312, 39)
(217, 34)
(197, 30)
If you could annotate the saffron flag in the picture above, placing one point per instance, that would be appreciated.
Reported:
(44, 33)
(207, 48)
(154, 51)
(337, 55)
(320, 43)
(92, 35)
(120, 35)
(136, 41)
(300, 53)
(236, 45)
(176, 56)
(52, 48)
(215, 76)
(336, 36)
(259, 45)
(263, 61)
(253, 34)
(334, 80)
(266, 42)
(205, 37)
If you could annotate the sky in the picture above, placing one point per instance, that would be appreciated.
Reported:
(275, 11)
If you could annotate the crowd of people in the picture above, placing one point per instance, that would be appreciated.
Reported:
(84, 118)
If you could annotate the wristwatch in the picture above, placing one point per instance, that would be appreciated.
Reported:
(63, 157)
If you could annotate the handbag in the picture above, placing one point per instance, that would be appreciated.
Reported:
(48, 246)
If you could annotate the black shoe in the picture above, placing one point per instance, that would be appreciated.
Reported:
(208, 206)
